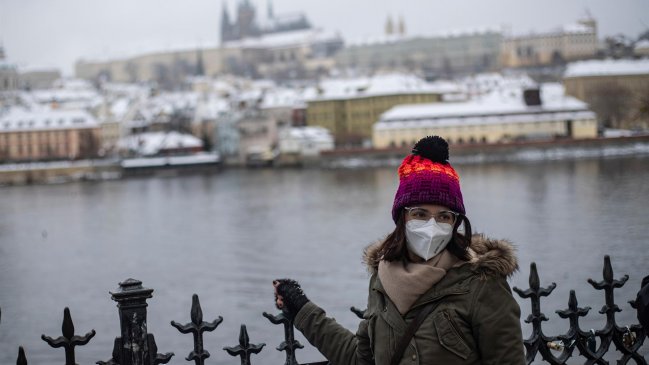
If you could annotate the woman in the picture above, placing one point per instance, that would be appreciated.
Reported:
(437, 294)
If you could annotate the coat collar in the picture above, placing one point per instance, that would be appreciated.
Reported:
(489, 257)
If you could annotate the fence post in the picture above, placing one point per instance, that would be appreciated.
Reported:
(135, 346)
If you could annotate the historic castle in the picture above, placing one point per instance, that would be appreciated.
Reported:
(245, 23)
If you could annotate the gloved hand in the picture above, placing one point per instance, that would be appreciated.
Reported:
(289, 297)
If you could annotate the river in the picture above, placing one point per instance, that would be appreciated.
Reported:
(226, 236)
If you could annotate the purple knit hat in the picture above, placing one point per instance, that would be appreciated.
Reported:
(426, 177)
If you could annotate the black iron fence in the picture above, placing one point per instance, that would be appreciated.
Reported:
(137, 347)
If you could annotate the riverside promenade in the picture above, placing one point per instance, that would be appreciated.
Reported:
(63, 171)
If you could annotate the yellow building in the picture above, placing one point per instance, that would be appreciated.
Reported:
(614, 89)
(349, 108)
(48, 135)
(499, 117)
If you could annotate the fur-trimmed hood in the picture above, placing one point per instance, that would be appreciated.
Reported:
(489, 257)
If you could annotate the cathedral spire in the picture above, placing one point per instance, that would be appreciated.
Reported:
(389, 26)
(402, 26)
(271, 15)
(226, 27)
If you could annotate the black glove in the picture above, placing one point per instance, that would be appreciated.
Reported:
(293, 297)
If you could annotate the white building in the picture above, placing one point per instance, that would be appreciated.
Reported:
(305, 141)
(507, 115)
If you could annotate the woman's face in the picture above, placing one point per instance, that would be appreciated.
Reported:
(441, 214)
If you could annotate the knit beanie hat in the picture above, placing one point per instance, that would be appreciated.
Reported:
(426, 177)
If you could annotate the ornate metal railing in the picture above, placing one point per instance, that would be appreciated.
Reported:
(137, 347)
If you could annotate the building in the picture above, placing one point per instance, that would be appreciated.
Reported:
(258, 134)
(641, 48)
(246, 25)
(8, 73)
(349, 107)
(279, 46)
(159, 144)
(445, 53)
(38, 78)
(508, 115)
(297, 144)
(617, 90)
(285, 55)
(46, 134)
(569, 43)
(168, 68)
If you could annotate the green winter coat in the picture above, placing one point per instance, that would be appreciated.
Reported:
(476, 320)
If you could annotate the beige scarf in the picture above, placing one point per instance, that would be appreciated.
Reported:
(406, 282)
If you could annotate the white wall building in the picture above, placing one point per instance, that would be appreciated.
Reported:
(507, 115)
(305, 141)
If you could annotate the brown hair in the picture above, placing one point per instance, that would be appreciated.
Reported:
(394, 246)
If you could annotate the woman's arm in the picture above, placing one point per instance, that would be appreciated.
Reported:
(339, 345)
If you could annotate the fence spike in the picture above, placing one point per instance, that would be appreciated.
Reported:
(360, 313)
(290, 344)
(196, 327)
(68, 341)
(244, 349)
(22, 359)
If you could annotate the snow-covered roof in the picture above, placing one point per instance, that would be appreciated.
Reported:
(211, 109)
(127, 51)
(19, 119)
(313, 134)
(607, 68)
(642, 44)
(73, 84)
(574, 28)
(492, 108)
(487, 82)
(34, 68)
(119, 108)
(577, 28)
(284, 39)
(442, 34)
(6, 65)
(148, 144)
(125, 89)
(279, 20)
(282, 98)
(383, 84)
(63, 95)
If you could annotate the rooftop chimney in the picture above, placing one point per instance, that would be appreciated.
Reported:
(532, 97)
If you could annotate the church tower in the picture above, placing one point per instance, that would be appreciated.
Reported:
(402, 27)
(389, 26)
(271, 14)
(226, 26)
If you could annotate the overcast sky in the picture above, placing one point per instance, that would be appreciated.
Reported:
(56, 33)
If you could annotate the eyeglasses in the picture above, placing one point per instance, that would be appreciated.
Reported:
(418, 213)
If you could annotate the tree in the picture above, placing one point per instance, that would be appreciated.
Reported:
(641, 108)
(611, 102)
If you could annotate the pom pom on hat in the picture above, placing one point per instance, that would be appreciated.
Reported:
(426, 177)
(434, 148)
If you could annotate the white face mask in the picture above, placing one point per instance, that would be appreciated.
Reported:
(427, 238)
